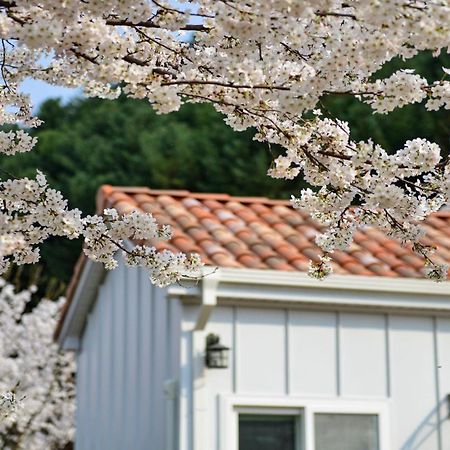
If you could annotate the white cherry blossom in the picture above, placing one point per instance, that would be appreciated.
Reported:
(265, 65)
(37, 404)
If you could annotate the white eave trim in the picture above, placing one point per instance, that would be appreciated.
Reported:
(83, 298)
(265, 287)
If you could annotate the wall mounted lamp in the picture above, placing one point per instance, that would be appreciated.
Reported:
(217, 355)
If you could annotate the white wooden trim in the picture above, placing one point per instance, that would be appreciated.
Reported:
(209, 300)
(199, 390)
(335, 281)
(231, 405)
(83, 299)
(347, 282)
(270, 288)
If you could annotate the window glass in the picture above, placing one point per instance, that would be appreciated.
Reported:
(346, 431)
(267, 432)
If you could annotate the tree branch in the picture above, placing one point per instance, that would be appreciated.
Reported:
(227, 85)
(150, 24)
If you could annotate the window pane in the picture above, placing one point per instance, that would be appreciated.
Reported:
(346, 431)
(263, 432)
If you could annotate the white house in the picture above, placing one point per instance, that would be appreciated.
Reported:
(360, 361)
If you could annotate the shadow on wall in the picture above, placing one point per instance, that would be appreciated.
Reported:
(429, 425)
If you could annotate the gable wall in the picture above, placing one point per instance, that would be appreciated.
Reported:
(128, 349)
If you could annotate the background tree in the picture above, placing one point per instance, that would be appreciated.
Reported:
(43, 378)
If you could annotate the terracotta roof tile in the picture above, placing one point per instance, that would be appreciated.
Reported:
(382, 270)
(123, 207)
(294, 219)
(260, 208)
(277, 263)
(342, 258)
(198, 234)
(436, 222)
(405, 271)
(222, 235)
(200, 213)
(116, 197)
(224, 260)
(300, 264)
(284, 229)
(357, 269)
(251, 261)
(312, 253)
(237, 248)
(263, 251)
(290, 253)
(212, 204)
(256, 232)
(186, 244)
(273, 239)
(246, 215)
(236, 225)
(298, 241)
(307, 231)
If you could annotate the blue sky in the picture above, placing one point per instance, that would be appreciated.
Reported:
(41, 91)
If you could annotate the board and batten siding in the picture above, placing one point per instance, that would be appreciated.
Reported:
(403, 360)
(129, 348)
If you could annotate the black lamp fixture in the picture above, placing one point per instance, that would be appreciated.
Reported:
(448, 405)
(216, 353)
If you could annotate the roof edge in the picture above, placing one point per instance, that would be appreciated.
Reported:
(78, 305)
(268, 277)
(264, 288)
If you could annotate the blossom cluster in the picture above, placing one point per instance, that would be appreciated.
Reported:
(104, 235)
(31, 211)
(265, 65)
(37, 404)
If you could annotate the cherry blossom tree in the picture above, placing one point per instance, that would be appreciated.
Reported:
(266, 65)
(37, 405)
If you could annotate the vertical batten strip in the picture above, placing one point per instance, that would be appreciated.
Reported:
(146, 379)
(139, 356)
(287, 387)
(153, 362)
(388, 356)
(338, 354)
(176, 323)
(81, 396)
(99, 313)
(91, 432)
(190, 337)
(131, 305)
(125, 404)
(118, 392)
(108, 353)
(234, 352)
(437, 386)
(112, 361)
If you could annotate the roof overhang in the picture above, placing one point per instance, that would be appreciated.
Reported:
(272, 288)
(79, 304)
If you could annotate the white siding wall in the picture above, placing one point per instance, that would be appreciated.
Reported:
(122, 365)
(404, 360)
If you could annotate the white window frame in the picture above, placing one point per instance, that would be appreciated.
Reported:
(231, 406)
